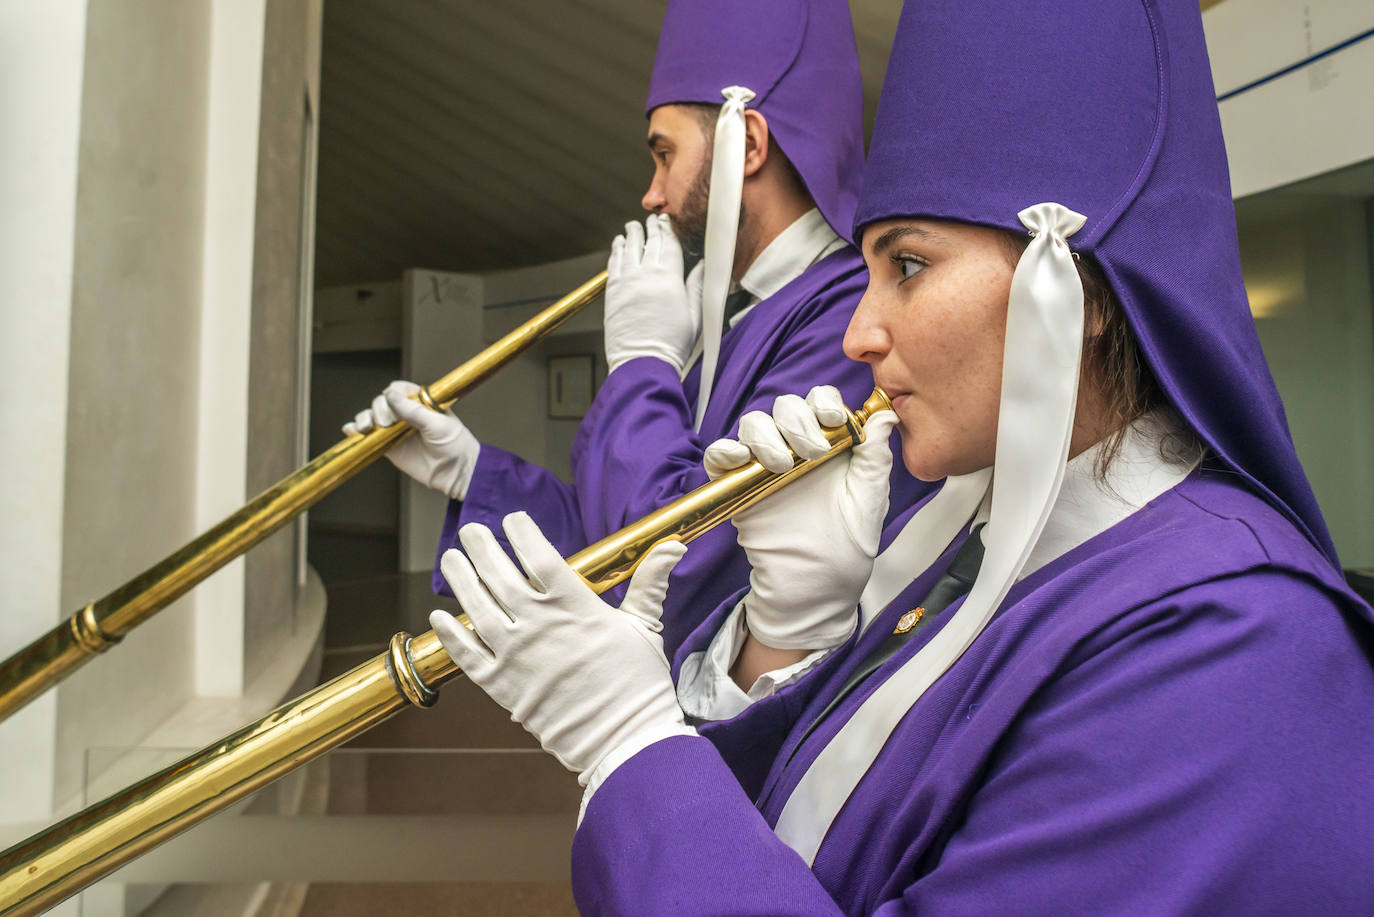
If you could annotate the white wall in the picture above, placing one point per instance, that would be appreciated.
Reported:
(41, 54)
(132, 407)
(441, 326)
(130, 180)
(1303, 123)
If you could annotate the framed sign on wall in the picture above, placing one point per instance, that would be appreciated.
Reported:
(571, 385)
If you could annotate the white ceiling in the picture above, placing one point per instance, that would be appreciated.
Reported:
(471, 134)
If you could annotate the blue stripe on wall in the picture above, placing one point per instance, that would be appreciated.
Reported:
(1299, 65)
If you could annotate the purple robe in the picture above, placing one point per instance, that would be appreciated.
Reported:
(636, 450)
(1170, 718)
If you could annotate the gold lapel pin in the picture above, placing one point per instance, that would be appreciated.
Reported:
(908, 620)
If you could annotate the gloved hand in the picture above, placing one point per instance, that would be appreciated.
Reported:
(811, 546)
(442, 455)
(587, 680)
(649, 312)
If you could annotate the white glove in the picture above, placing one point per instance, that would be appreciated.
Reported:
(649, 312)
(811, 546)
(442, 455)
(585, 679)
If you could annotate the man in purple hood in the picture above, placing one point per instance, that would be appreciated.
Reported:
(755, 129)
(1110, 667)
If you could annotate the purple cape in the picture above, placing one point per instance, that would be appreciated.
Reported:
(799, 57)
(1170, 718)
(636, 450)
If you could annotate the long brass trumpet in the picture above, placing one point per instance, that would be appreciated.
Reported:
(104, 622)
(43, 870)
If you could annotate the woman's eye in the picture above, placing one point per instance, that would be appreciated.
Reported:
(908, 265)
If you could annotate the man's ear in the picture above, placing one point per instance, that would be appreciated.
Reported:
(755, 141)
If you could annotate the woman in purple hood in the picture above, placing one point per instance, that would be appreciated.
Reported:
(1111, 666)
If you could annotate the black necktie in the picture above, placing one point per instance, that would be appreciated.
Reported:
(953, 584)
(735, 303)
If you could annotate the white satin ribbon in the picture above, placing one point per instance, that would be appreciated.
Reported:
(922, 540)
(722, 224)
(1040, 366)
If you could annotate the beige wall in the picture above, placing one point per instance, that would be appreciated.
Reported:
(129, 491)
(288, 75)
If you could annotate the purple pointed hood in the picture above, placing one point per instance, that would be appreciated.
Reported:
(799, 57)
(1106, 107)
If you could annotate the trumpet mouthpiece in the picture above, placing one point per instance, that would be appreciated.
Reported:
(878, 401)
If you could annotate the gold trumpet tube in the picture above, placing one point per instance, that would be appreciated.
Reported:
(104, 622)
(41, 871)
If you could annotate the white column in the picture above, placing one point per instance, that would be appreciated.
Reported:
(441, 322)
(227, 296)
(41, 59)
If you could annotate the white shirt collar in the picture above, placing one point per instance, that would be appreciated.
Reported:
(796, 248)
(1087, 507)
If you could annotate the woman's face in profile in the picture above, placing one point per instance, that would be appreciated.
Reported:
(931, 325)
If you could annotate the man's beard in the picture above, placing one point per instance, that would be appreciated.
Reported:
(689, 224)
